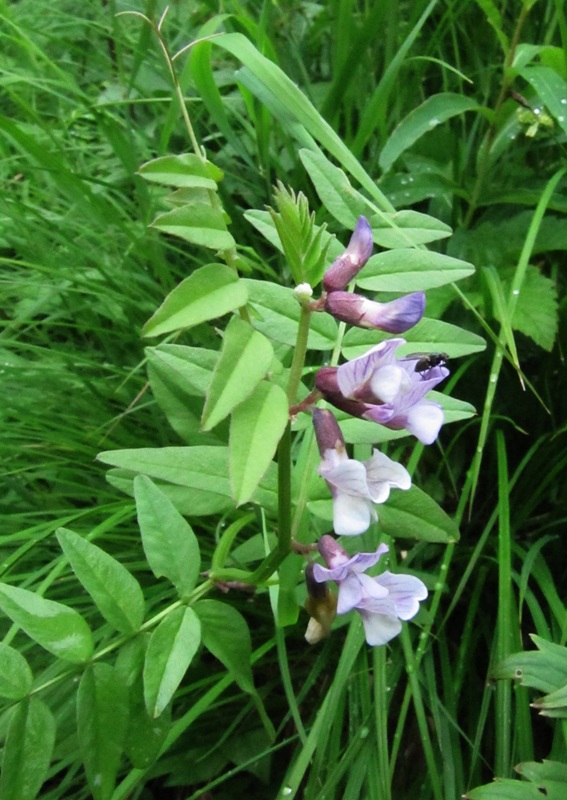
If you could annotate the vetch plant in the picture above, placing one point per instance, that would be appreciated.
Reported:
(239, 504)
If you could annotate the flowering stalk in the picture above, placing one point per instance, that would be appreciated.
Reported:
(274, 559)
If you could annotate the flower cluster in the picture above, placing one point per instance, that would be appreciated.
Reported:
(391, 391)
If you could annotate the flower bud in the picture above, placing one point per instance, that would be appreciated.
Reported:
(349, 264)
(327, 432)
(303, 294)
(394, 317)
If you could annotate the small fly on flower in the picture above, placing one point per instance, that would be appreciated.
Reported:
(426, 361)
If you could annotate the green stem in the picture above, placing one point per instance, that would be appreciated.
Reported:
(284, 492)
(503, 701)
(274, 559)
(299, 352)
(381, 722)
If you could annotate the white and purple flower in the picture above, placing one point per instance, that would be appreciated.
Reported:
(379, 387)
(395, 316)
(356, 486)
(382, 602)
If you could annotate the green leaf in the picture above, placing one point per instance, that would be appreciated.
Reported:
(197, 223)
(187, 170)
(226, 635)
(506, 789)
(169, 543)
(189, 369)
(102, 720)
(494, 18)
(277, 316)
(334, 188)
(27, 751)
(424, 118)
(145, 735)
(265, 225)
(407, 228)
(170, 651)
(551, 88)
(256, 428)
(15, 674)
(544, 773)
(544, 669)
(409, 270)
(200, 475)
(208, 293)
(428, 336)
(537, 313)
(57, 628)
(245, 358)
(179, 377)
(554, 701)
(182, 411)
(414, 515)
(116, 593)
(291, 108)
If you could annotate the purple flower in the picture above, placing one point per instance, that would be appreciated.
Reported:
(381, 602)
(356, 486)
(381, 388)
(396, 316)
(349, 264)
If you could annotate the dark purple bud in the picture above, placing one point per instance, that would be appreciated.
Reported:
(394, 317)
(327, 432)
(349, 264)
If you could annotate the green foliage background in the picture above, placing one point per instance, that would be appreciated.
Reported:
(458, 110)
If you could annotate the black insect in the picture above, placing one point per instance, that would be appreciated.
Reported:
(426, 361)
(431, 360)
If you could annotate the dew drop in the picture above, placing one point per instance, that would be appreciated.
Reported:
(493, 379)
(564, 101)
(516, 292)
(286, 791)
(561, 118)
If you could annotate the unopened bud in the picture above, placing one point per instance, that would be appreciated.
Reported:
(349, 264)
(394, 317)
(303, 293)
(327, 432)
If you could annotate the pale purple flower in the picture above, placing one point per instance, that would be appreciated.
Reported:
(395, 316)
(390, 391)
(356, 486)
(382, 602)
(349, 263)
